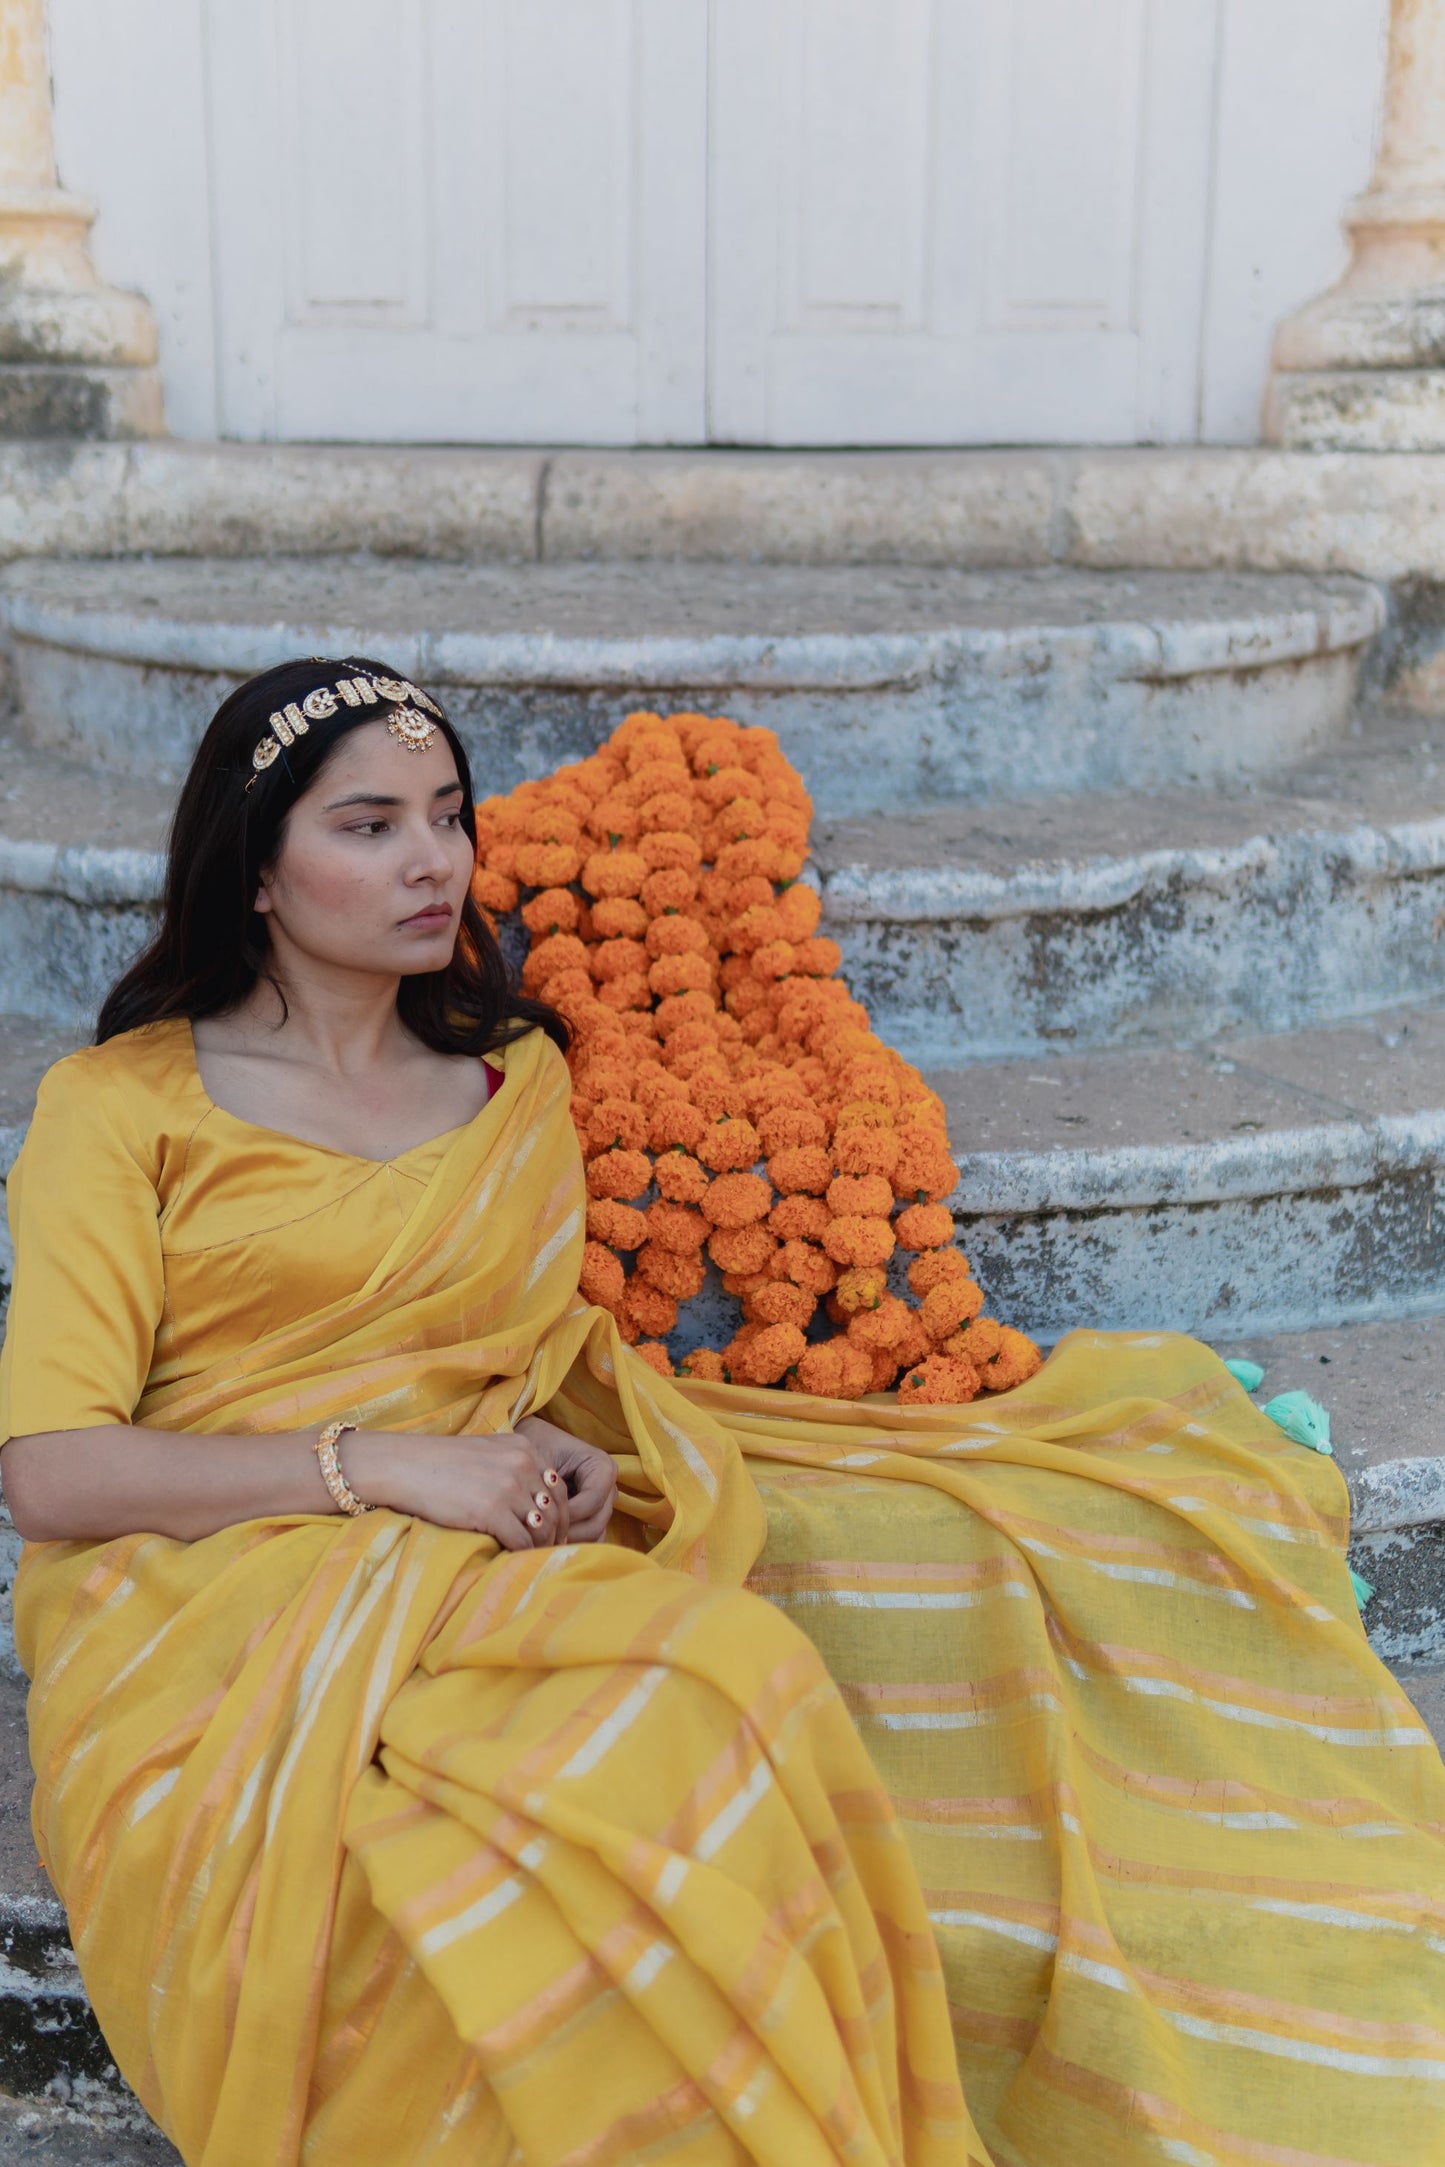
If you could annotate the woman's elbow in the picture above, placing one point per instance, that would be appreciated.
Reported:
(33, 1495)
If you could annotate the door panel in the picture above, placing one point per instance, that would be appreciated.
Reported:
(461, 219)
(942, 221)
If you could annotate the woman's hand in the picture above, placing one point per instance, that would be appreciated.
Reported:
(495, 1486)
(589, 1473)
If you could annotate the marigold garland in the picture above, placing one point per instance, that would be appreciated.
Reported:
(733, 1104)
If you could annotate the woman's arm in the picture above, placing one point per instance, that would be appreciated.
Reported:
(89, 1485)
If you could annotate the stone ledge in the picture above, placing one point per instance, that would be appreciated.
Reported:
(1261, 508)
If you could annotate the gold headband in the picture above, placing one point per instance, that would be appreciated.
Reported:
(408, 725)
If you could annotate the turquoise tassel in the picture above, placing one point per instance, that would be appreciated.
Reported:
(1362, 1588)
(1303, 1419)
(1249, 1374)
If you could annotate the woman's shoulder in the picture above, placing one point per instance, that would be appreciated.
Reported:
(135, 1079)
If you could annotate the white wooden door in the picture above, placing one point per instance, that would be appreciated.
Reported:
(958, 221)
(464, 220)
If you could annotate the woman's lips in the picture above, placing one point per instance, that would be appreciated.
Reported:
(427, 921)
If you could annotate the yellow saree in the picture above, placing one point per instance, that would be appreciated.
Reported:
(379, 1846)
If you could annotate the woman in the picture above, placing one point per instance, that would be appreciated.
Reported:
(420, 1781)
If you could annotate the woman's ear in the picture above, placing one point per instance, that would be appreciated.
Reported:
(263, 900)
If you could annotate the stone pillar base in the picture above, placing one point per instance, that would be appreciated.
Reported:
(77, 358)
(57, 399)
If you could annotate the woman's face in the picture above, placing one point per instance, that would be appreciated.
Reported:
(374, 862)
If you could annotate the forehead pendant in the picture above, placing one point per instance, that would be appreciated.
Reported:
(412, 728)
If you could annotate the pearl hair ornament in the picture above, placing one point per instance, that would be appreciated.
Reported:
(408, 725)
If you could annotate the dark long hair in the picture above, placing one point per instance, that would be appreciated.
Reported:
(212, 946)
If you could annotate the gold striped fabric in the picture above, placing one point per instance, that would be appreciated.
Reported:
(1041, 1749)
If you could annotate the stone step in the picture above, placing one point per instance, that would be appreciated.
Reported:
(984, 931)
(1242, 1184)
(888, 685)
(971, 932)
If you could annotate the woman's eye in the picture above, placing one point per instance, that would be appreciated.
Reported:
(367, 827)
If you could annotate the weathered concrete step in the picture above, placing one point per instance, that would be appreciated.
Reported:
(887, 684)
(1384, 1388)
(970, 932)
(1245, 1184)
(1310, 894)
(80, 867)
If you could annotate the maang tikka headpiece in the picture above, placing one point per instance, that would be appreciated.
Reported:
(408, 725)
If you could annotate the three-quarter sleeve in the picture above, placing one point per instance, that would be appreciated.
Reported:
(89, 1285)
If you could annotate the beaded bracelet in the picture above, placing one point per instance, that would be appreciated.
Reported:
(341, 1491)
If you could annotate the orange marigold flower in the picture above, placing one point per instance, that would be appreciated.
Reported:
(783, 1127)
(735, 1200)
(688, 973)
(924, 1226)
(677, 1227)
(613, 872)
(676, 1009)
(747, 999)
(727, 1146)
(937, 1265)
(817, 958)
(619, 1225)
(619, 1174)
(941, 1380)
(680, 1276)
(629, 991)
(773, 960)
(705, 1364)
(616, 1122)
(915, 1346)
(729, 782)
(679, 1177)
(614, 817)
(924, 1173)
(836, 1371)
(674, 888)
(856, 1239)
(778, 1301)
(550, 822)
(859, 1289)
(618, 915)
(980, 1340)
(806, 1167)
(562, 952)
(776, 1348)
(867, 1151)
(670, 848)
(602, 1279)
(1016, 1361)
(494, 891)
(675, 934)
(547, 865)
(742, 861)
(806, 1265)
(799, 907)
(647, 1309)
(654, 1354)
(619, 958)
(866, 1193)
(740, 1285)
(675, 1122)
(880, 1329)
(569, 991)
(741, 1248)
(604, 1077)
(799, 1218)
(667, 811)
(551, 910)
(945, 1308)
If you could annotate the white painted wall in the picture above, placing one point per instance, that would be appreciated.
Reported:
(759, 221)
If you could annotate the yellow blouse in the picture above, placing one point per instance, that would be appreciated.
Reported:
(180, 1233)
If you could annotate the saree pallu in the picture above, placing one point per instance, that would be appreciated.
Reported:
(1035, 1743)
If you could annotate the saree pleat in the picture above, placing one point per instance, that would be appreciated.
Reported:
(1036, 1743)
